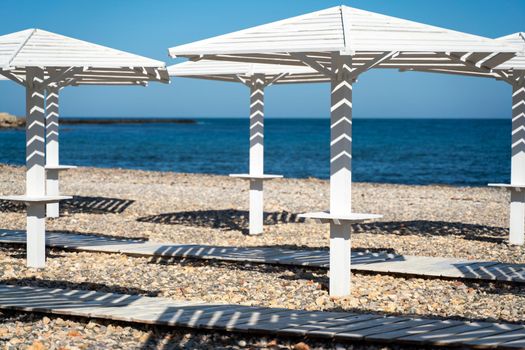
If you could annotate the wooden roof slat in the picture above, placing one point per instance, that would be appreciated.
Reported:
(341, 29)
(36, 47)
(54, 52)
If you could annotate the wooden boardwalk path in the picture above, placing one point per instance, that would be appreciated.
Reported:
(361, 261)
(340, 326)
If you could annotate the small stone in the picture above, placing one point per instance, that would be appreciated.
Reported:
(74, 333)
(36, 346)
(144, 338)
(15, 341)
(301, 346)
(136, 334)
(241, 343)
(272, 343)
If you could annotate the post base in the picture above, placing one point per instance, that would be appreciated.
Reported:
(256, 200)
(340, 247)
(517, 212)
(36, 235)
(340, 255)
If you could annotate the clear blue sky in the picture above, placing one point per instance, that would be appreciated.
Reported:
(150, 27)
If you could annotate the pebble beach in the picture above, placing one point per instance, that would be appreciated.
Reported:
(431, 220)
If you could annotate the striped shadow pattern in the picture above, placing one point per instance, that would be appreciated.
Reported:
(363, 261)
(339, 326)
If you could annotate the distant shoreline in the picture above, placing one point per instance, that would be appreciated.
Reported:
(73, 121)
(11, 122)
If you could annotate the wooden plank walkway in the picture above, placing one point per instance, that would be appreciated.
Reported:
(361, 261)
(341, 326)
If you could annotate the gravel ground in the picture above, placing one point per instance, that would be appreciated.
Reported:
(38, 332)
(443, 221)
(247, 284)
(182, 208)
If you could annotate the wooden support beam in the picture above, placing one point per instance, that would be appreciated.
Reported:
(517, 200)
(474, 66)
(371, 64)
(14, 77)
(276, 79)
(52, 149)
(257, 84)
(242, 80)
(35, 171)
(340, 173)
(57, 77)
(312, 63)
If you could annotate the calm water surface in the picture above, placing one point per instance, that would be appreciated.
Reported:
(408, 151)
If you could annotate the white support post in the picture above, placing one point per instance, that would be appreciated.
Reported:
(340, 174)
(517, 196)
(35, 163)
(52, 149)
(257, 85)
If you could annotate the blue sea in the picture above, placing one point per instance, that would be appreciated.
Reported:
(405, 151)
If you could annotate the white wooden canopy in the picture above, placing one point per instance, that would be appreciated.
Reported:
(372, 39)
(341, 43)
(68, 61)
(513, 72)
(256, 76)
(43, 63)
(505, 71)
(517, 62)
(232, 71)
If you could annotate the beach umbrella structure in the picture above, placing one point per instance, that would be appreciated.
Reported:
(43, 63)
(256, 76)
(341, 43)
(512, 72)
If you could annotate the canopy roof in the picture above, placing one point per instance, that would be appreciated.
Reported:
(242, 71)
(504, 71)
(371, 38)
(517, 62)
(71, 61)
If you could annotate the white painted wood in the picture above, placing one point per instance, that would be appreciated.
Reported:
(68, 61)
(36, 235)
(34, 199)
(35, 162)
(517, 197)
(361, 261)
(510, 71)
(256, 166)
(517, 62)
(339, 29)
(256, 207)
(340, 174)
(373, 41)
(52, 188)
(42, 60)
(42, 48)
(338, 219)
(515, 186)
(256, 77)
(52, 149)
(227, 70)
(257, 125)
(328, 326)
(504, 71)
